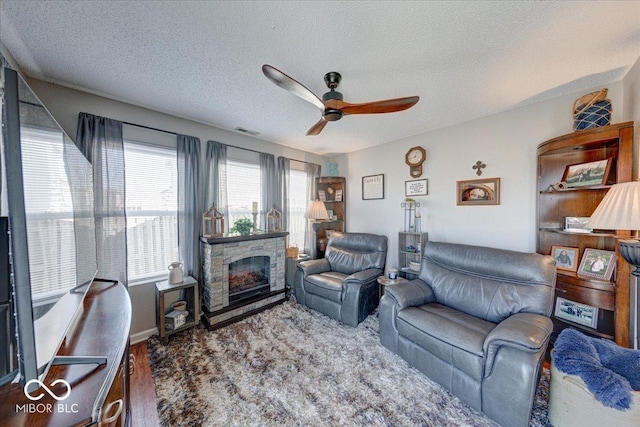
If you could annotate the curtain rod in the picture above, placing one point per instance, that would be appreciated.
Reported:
(242, 148)
(151, 128)
(262, 152)
(228, 145)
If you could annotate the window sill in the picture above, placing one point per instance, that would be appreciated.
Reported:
(141, 281)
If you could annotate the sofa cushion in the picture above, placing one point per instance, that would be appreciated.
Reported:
(488, 283)
(326, 285)
(352, 252)
(453, 336)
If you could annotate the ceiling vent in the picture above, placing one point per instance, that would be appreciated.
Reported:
(250, 132)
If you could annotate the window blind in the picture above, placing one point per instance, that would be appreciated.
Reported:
(49, 212)
(151, 205)
(244, 188)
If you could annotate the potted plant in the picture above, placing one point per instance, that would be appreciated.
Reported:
(242, 226)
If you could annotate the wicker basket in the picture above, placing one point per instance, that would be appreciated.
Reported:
(292, 252)
(592, 110)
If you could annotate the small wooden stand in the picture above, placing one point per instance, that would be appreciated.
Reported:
(189, 292)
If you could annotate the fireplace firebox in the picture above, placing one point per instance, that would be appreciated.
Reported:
(248, 277)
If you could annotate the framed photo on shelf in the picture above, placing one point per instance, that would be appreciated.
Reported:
(576, 224)
(338, 196)
(485, 191)
(566, 257)
(373, 187)
(416, 187)
(577, 313)
(585, 174)
(597, 264)
(322, 196)
(330, 213)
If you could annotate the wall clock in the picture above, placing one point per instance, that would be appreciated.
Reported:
(414, 158)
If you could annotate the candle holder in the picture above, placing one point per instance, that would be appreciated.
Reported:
(255, 222)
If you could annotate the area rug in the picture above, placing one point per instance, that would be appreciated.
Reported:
(291, 366)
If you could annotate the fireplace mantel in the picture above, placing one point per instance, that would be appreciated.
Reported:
(231, 239)
(218, 253)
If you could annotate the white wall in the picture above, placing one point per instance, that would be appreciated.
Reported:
(631, 110)
(505, 142)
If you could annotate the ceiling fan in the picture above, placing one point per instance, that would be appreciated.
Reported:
(331, 104)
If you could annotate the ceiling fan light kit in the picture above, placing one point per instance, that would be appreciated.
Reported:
(332, 105)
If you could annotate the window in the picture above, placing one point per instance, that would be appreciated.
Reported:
(298, 201)
(152, 209)
(49, 212)
(243, 188)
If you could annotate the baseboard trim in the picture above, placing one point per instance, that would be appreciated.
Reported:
(143, 335)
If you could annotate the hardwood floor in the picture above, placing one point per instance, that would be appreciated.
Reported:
(143, 393)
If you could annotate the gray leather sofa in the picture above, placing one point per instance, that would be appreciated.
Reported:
(477, 322)
(343, 284)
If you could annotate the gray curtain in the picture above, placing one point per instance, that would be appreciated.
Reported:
(216, 180)
(100, 140)
(282, 194)
(310, 244)
(79, 173)
(189, 199)
(269, 182)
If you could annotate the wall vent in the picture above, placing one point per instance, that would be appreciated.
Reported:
(250, 132)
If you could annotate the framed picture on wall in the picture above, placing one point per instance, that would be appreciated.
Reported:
(373, 187)
(416, 187)
(485, 191)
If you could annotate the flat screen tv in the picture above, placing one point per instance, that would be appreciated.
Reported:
(58, 220)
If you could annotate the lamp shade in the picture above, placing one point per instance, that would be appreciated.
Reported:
(316, 210)
(619, 209)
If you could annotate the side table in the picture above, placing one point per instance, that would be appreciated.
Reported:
(384, 281)
(291, 266)
(167, 294)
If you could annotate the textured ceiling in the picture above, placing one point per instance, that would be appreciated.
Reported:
(202, 60)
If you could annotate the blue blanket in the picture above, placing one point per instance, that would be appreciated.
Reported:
(609, 371)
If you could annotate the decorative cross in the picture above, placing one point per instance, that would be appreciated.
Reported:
(479, 165)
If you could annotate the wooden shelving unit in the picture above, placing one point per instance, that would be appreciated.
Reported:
(610, 297)
(330, 185)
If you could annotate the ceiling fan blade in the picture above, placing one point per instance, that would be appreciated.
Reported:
(378, 107)
(293, 86)
(317, 128)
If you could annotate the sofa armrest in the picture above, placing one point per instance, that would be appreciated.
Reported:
(314, 266)
(416, 292)
(363, 276)
(357, 292)
(528, 332)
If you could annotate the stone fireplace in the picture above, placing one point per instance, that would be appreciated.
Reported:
(242, 275)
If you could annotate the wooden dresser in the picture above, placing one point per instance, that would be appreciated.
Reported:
(99, 394)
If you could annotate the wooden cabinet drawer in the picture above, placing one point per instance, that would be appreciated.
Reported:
(604, 299)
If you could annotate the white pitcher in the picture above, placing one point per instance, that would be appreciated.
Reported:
(175, 273)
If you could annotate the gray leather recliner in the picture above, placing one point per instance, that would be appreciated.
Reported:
(343, 284)
(477, 322)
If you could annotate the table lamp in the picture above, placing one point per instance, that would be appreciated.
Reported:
(316, 212)
(620, 210)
